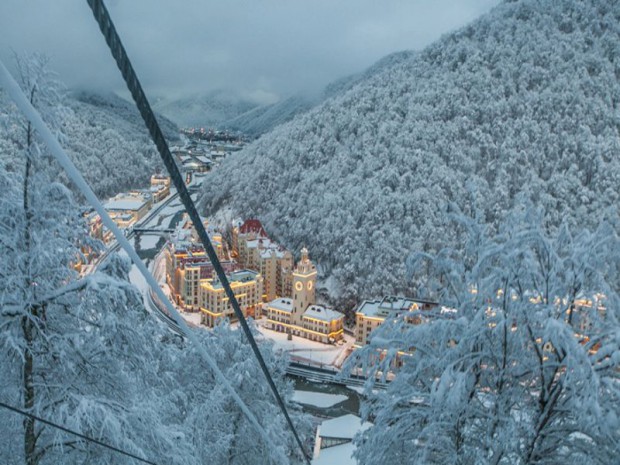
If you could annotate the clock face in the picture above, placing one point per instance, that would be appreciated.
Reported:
(309, 285)
(299, 286)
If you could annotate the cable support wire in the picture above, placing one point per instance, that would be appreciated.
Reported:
(117, 49)
(75, 433)
(22, 102)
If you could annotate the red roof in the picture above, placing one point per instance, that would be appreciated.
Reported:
(253, 226)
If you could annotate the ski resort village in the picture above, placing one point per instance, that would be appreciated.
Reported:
(310, 233)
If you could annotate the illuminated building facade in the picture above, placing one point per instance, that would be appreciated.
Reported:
(247, 286)
(126, 209)
(300, 315)
(160, 187)
(372, 313)
(255, 251)
(187, 264)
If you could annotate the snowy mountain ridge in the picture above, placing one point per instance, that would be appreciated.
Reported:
(521, 104)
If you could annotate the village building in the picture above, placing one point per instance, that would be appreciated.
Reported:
(160, 180)
(372, 313)
(95, 224)
(214, 304)
(187, 264)
(300, 315)
(127, 208)
(255, 251)
(160, 187)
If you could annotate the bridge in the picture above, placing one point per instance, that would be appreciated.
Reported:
(152, 231)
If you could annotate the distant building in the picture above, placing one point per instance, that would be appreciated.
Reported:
(160, 187)
(95, 224)
(372, 313)
(125, 209)
(250, 230)
(215, 305)
(300, 315)
(160, 180)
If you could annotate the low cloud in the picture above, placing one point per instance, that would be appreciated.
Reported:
(267, 49)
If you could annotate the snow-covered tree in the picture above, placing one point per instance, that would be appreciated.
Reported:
(83, 352)
(214, 425)
(60, 355)
(520, 363)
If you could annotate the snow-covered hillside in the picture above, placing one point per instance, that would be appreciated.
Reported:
(263, 119)
(107, 140)
(525, 100)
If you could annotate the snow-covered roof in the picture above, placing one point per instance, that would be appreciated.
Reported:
(204, 159)
(125, 204)
(285, 305)
(344, 427)
(238, 276)
(387, 305)
(341, 455)
(318, 312)
(272, 249)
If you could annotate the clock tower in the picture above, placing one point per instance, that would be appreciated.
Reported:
(304, 280)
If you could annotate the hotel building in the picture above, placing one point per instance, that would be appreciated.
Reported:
(300, 315)
(256, 251)
(372, 313)
(247, 286)
(126, 209)
(187, 264)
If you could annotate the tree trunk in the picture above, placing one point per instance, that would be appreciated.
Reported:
(30, 438)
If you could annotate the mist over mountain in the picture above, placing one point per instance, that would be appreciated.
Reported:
(522, 104)
(205, 110)
(262, 119)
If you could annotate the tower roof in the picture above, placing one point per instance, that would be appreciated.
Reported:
(253, 226)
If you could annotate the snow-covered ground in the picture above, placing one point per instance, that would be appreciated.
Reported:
(191, 318)
(337, 455)
(149, 241)
(304, 350)
(318, 399)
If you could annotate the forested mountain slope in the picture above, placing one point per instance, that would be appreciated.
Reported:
(106, 138)
(263, 119)
(525, 100)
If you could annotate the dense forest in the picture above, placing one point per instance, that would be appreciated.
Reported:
(522, 104)
(81, 350)
(102, 133)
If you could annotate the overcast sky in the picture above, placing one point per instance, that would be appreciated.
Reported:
(260, 48)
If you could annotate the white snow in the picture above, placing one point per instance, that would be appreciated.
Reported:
(337, 455)
(344, 427)
(192, 318)
(148, 241)
(318, 399)
(305, 351)
(136, 278)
